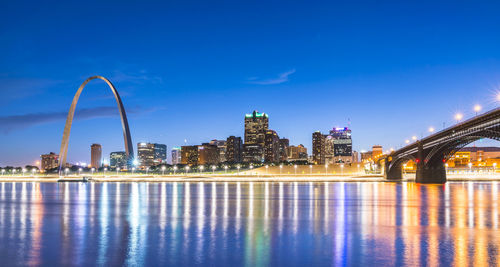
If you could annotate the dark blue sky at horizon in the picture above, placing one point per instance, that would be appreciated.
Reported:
(190, 70)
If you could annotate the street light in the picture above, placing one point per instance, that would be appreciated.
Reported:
(494, 167)
(33, 171)
(458, 117)
(238, 167)
(311, 169)
(175, 169)
(163, 169)
(358, 167)
(65, 170)
(281, 167)
(201, 168)
(326, 168)
(13, 171)
(404, 167)
(147, 171)
(431, 129)
(117, 170)
(79, 171)
(187, 169)
(295, 167)
(105, 169)
(414, 138)
(341, 169)
(267, 167)
(225, 169)
(133, 169)
(477, 108)
(407, 141)
(92, 170)
(3, 172)
(470, 166)
(213, 169)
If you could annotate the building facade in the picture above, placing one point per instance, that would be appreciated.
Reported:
(342, 145)
(176, 156)
(297, 153)
(189, 155)
(118, 159)
(49, 161)
(318, 148)
(256, 125)
(145, 155)
(271, 147)
(95, 155)
(284, 144)
(160, 154)
(222, 147)
(253, 153)
(208, 154)
(234, 149)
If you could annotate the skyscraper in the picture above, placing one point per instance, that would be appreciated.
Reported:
(253, 153)
(49, 161)
(284, 144)
(176, 155)
(145, 155)
(271, 147)
(221, 146)
(95, 155)
(297, 153)
(318, 148)
(342, 144)
(256, 125)
(118, 159)
(160, 154)
(234, 148)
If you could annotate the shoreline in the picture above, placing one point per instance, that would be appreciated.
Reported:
(234, 178)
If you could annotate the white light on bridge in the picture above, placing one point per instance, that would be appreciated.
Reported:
(431, 129)
(458, 116)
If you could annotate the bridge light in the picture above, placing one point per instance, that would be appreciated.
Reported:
(431, 129)
(458, 117)
(414, 138)
(477, 108)
(407, 141)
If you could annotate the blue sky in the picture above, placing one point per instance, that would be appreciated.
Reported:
(190, 70)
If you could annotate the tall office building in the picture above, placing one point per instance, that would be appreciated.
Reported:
(234, 149)
(221, 145)
(49, 161)
(95, 155)
(160, 156)
(318, 148)
(208, 154)
(118, 159)
(145, 155)
(342, 144)
(176, 155)
(271, 147)
(297, 153)
(256, 125)
(284, 144)
(253, 153)
(376, 151)
(329, 150)
(189, 155)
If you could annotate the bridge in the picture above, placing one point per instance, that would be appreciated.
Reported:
(431, 152)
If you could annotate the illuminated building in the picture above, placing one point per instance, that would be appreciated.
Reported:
(189, 155)
(95, 155)
(366, 155)
(271, 147)
(49, 161)
(253, 153)
(284, 144)
(118, 159)
(176, 155)
(355, 157)
(297, 153)
(160, 155)
(221, 145)
(145, 155)
(256, 125)
(208, 154)
(318, 148)
(376, 151)
(329, 151)
(234, 149)
(342, 144)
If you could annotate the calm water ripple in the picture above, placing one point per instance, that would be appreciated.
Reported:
(255, 224)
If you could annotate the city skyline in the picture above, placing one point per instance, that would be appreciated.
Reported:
(390, 85)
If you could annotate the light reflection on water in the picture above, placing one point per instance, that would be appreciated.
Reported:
(199, 223)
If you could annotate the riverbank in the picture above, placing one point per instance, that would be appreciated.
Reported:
(235, 178)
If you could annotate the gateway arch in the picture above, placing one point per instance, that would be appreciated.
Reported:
(129, 150)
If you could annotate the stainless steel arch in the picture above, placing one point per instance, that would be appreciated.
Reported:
(129, 150)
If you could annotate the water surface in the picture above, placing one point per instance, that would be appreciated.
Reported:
(228, 224)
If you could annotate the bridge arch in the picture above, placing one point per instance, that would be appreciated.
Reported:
(129, 150)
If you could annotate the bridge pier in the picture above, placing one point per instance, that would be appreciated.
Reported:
(431, 173)
(395, 173)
